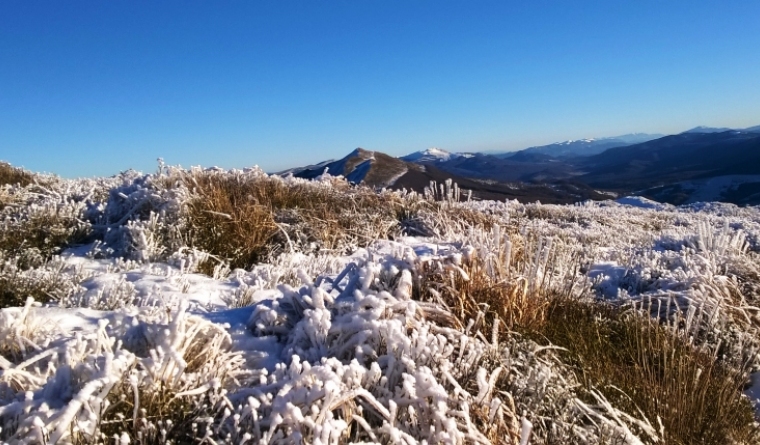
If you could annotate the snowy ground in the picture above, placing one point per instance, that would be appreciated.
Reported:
(333, 348)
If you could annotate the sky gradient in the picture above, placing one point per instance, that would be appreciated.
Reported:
(97, 87)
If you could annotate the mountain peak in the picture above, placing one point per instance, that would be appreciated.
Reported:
(432, 154)
(361, 152)
(369, 167)
(435, 151)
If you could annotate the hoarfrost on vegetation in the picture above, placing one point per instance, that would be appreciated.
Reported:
(334, 344)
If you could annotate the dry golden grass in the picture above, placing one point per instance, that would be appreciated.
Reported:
(643, 368)
(245, 221)
(639, 364)
(161, 418)
(226, 221)
(14, 175)
(470, 290)
(505, 431)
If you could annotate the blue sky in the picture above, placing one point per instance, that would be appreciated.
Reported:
(96, 87)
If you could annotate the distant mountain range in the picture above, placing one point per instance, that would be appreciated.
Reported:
(581, 147)
(700, 164)
(377, 169)
(674, 168)
(703, 129)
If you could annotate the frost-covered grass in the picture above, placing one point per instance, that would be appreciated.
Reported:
(643, 366)
(243, 218)
(236, 307)
(14, 175)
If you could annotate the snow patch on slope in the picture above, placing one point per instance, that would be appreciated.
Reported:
(642, 203)
(359, 172)
(713, 189)
(432, 154)
(392, 180)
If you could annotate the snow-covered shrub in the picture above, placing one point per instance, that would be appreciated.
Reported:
(53, 280)
(365, 364)
(128, 380)
(63, 392)
(142, 218)
(289, 268)
(184, 364)
(551, 396)
(40, 224)
(115, 295)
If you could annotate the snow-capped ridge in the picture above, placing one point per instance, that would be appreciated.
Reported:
(585, 146)
(432, 154)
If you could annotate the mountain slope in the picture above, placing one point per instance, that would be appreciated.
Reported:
(531, 168)
(703, 130)
(581, 147)
(373, 168)
(677, 159)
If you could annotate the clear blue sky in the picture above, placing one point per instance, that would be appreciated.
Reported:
(96, 87)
